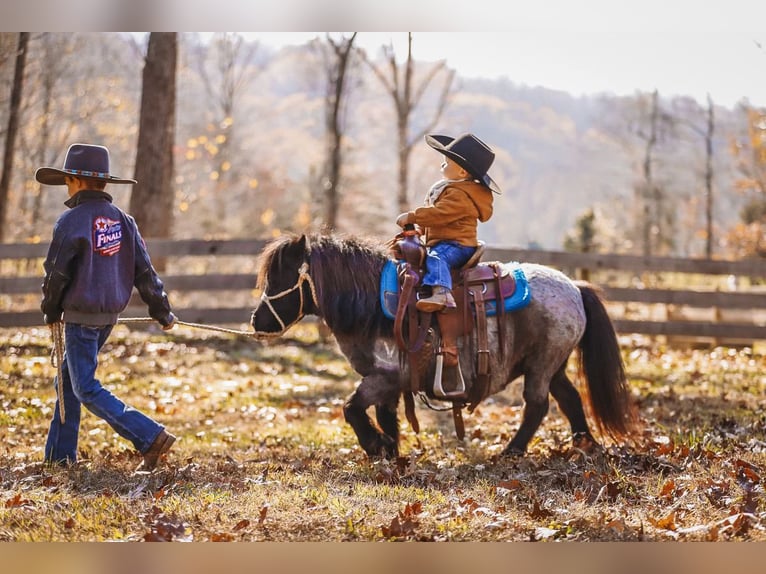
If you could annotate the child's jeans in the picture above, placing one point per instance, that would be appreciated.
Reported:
(442, 257)
(80, 387)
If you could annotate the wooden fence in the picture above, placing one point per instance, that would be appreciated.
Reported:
(669, 296)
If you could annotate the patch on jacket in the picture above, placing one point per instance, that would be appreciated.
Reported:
(107, 236)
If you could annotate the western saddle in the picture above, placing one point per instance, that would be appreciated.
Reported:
(425, 349)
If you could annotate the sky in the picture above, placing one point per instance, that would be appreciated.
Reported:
(679, 47)
(730, 66)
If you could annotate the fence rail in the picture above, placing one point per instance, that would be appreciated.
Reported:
(709, 311)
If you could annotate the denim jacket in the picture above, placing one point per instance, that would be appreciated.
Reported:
(96, 257)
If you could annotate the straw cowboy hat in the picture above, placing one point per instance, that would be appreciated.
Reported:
(470, 153)
(82, 160)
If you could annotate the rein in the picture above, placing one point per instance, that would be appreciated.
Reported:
(303, 277)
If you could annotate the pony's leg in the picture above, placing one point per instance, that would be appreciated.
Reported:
(388, 421)
(381, 390)
(570, 402)
(536, 387)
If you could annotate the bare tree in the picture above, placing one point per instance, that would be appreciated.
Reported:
(226, 65)
(649, 190)
(337, 68)
(704, 129)
(8, 45)
(55, 63)
(151, 201)
(13, 125)
(641, 127)
(749, 236)
(406, 95)
(710, 125)
(689, 115)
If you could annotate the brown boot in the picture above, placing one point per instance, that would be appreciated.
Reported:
(439, 300)
(160, 446)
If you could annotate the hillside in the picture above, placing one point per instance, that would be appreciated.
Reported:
(253, 168)
(557, 155)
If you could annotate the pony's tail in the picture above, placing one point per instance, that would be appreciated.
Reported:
(603, 369)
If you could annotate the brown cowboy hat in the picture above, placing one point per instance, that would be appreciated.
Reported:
(470, 153)
(82, 160)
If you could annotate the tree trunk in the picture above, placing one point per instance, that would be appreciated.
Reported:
(406, 96)
(151, 202)
(13, 126)
(650, 193)
(336, 92)
(709, 178)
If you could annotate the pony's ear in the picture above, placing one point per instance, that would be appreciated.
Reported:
(302, 242)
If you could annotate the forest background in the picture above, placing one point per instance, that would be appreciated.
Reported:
(631, 174)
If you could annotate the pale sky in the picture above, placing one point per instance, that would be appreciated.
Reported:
(729, 65)
(690, 47)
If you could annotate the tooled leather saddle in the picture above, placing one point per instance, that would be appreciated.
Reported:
(481, 290)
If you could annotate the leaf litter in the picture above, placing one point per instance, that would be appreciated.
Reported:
(264, 453)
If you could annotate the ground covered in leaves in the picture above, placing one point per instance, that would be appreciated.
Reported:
(265, 455)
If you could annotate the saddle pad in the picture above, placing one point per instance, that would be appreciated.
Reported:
(389, 289)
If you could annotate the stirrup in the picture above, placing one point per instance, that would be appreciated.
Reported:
(439, 391)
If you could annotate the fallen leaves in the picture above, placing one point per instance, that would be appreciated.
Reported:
(404, 524)
(18, 501)
(262, 514)
(265, 455)
(166, 528)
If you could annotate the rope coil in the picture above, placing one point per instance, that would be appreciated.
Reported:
(57, 358)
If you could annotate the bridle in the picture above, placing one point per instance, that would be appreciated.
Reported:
(303, 277)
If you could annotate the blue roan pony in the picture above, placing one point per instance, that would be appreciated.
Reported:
(338, 279)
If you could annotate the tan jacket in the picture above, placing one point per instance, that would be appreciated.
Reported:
(454, 214)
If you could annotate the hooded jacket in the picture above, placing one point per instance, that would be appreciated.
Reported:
(95, 258)
(454, 214)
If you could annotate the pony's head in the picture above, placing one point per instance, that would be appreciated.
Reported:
(332, 276)
(287, 290)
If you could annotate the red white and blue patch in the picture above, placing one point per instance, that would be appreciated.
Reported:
(107, 236)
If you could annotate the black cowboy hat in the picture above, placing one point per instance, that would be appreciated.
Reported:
(470, 153)
(82, 160)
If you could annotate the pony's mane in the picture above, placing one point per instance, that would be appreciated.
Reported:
(346, 272)
(274, 249)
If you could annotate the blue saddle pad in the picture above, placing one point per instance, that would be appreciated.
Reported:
(389, 289)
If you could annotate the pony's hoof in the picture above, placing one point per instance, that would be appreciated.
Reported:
(383, 447)
(512, 452)
(585, 442)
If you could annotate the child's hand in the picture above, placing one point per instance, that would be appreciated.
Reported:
(170, 325)
(403, 219)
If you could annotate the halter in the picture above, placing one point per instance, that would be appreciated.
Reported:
(303, 276)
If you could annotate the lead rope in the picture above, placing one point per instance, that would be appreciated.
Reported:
(186, 324)
(57, 329)
(57, 358)
(57, 353)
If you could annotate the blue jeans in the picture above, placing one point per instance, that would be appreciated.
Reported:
(442, 257)
(80, 387)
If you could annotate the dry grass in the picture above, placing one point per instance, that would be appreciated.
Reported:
(265, 455)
